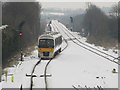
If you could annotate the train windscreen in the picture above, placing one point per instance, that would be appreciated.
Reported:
(46, 43)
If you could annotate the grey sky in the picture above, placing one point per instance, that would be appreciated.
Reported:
(74, 5)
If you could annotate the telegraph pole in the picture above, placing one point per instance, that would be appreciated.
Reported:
(72, 24)
(21, 52)
(21, 35)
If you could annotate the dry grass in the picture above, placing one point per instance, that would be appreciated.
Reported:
(104, 42)
(16, 57)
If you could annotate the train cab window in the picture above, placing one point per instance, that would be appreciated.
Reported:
(46, 43)
(58, 41)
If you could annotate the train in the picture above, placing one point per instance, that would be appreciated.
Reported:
(49, 45)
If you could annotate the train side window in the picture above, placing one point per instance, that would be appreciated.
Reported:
(58, 41)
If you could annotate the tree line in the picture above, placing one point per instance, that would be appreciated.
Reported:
(100, 28)
(21, 18)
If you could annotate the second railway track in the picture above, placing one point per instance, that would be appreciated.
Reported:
(85, 46)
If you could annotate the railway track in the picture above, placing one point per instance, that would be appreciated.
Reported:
(46, 84)
(85, 46)
(45, 71)
(31, 79)
(88, 45)
(81, 44)
(46, 67)
(55, 27)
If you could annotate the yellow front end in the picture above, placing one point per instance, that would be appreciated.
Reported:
(46, 52)
(46, 49)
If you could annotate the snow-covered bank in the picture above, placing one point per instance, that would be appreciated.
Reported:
(0, 85)
(74, 66)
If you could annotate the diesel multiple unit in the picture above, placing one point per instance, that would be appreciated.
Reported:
(49, 44)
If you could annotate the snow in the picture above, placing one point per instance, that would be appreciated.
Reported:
(59, 14)
(52, 13)
(3, 26)
(0, 86)
(74, 66)
(80, 71)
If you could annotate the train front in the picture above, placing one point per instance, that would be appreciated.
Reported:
(46, 48)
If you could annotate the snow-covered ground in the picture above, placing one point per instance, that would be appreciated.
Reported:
(74, 66)
(0, 86)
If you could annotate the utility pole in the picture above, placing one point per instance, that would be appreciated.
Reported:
(21, 52)
(72, 24)
(21, 35)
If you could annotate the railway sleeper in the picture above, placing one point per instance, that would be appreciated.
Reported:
(47, 75)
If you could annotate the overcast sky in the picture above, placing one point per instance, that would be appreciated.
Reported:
(78, 0)
(76, 3)
(73, 4)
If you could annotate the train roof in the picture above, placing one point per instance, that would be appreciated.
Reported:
(50, 35)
